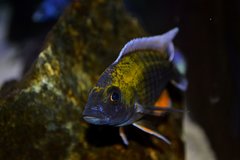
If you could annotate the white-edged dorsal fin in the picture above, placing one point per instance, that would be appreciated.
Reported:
(159, 43)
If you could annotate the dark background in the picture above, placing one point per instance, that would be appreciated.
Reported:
(208, 37)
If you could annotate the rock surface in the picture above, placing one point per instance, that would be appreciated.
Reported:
(40, 116)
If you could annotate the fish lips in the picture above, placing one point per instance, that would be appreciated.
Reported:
(95, 120)
(94, 116)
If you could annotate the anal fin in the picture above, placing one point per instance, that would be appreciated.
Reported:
(123, 136)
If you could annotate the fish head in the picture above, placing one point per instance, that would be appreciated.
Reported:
(106, 106)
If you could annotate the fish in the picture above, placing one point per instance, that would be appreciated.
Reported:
(134, 85)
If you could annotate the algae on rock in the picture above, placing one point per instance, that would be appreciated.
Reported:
(40, 116)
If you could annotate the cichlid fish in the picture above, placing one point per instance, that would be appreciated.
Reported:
(130, 87)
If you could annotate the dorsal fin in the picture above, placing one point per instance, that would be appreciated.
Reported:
(160, 43)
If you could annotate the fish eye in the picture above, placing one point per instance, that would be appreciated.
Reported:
(114, 94)
(114, 97)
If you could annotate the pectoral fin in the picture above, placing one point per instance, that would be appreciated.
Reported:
(152, 131)
(156, 111)
(162, 105)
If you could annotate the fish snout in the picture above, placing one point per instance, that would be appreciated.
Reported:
(93, 110)
(95, 115)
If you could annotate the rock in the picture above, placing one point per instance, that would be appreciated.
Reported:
(40, 116)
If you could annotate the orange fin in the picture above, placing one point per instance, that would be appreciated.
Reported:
(162, 105)
(164, 100)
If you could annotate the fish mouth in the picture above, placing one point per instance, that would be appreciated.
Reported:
(91, 119)
(96, 120)
(94, 114)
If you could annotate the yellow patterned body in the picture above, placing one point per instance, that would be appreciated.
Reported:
(140, 75)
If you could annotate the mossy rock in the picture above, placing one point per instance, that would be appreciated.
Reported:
(41, 116)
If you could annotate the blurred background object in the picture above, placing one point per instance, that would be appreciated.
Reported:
(49, 10)
(208, 37)
(10, 65)
(22, 31)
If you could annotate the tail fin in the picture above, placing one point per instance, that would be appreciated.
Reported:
(180, 64)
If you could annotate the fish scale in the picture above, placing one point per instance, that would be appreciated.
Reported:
(156, 68)
(153, 68)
